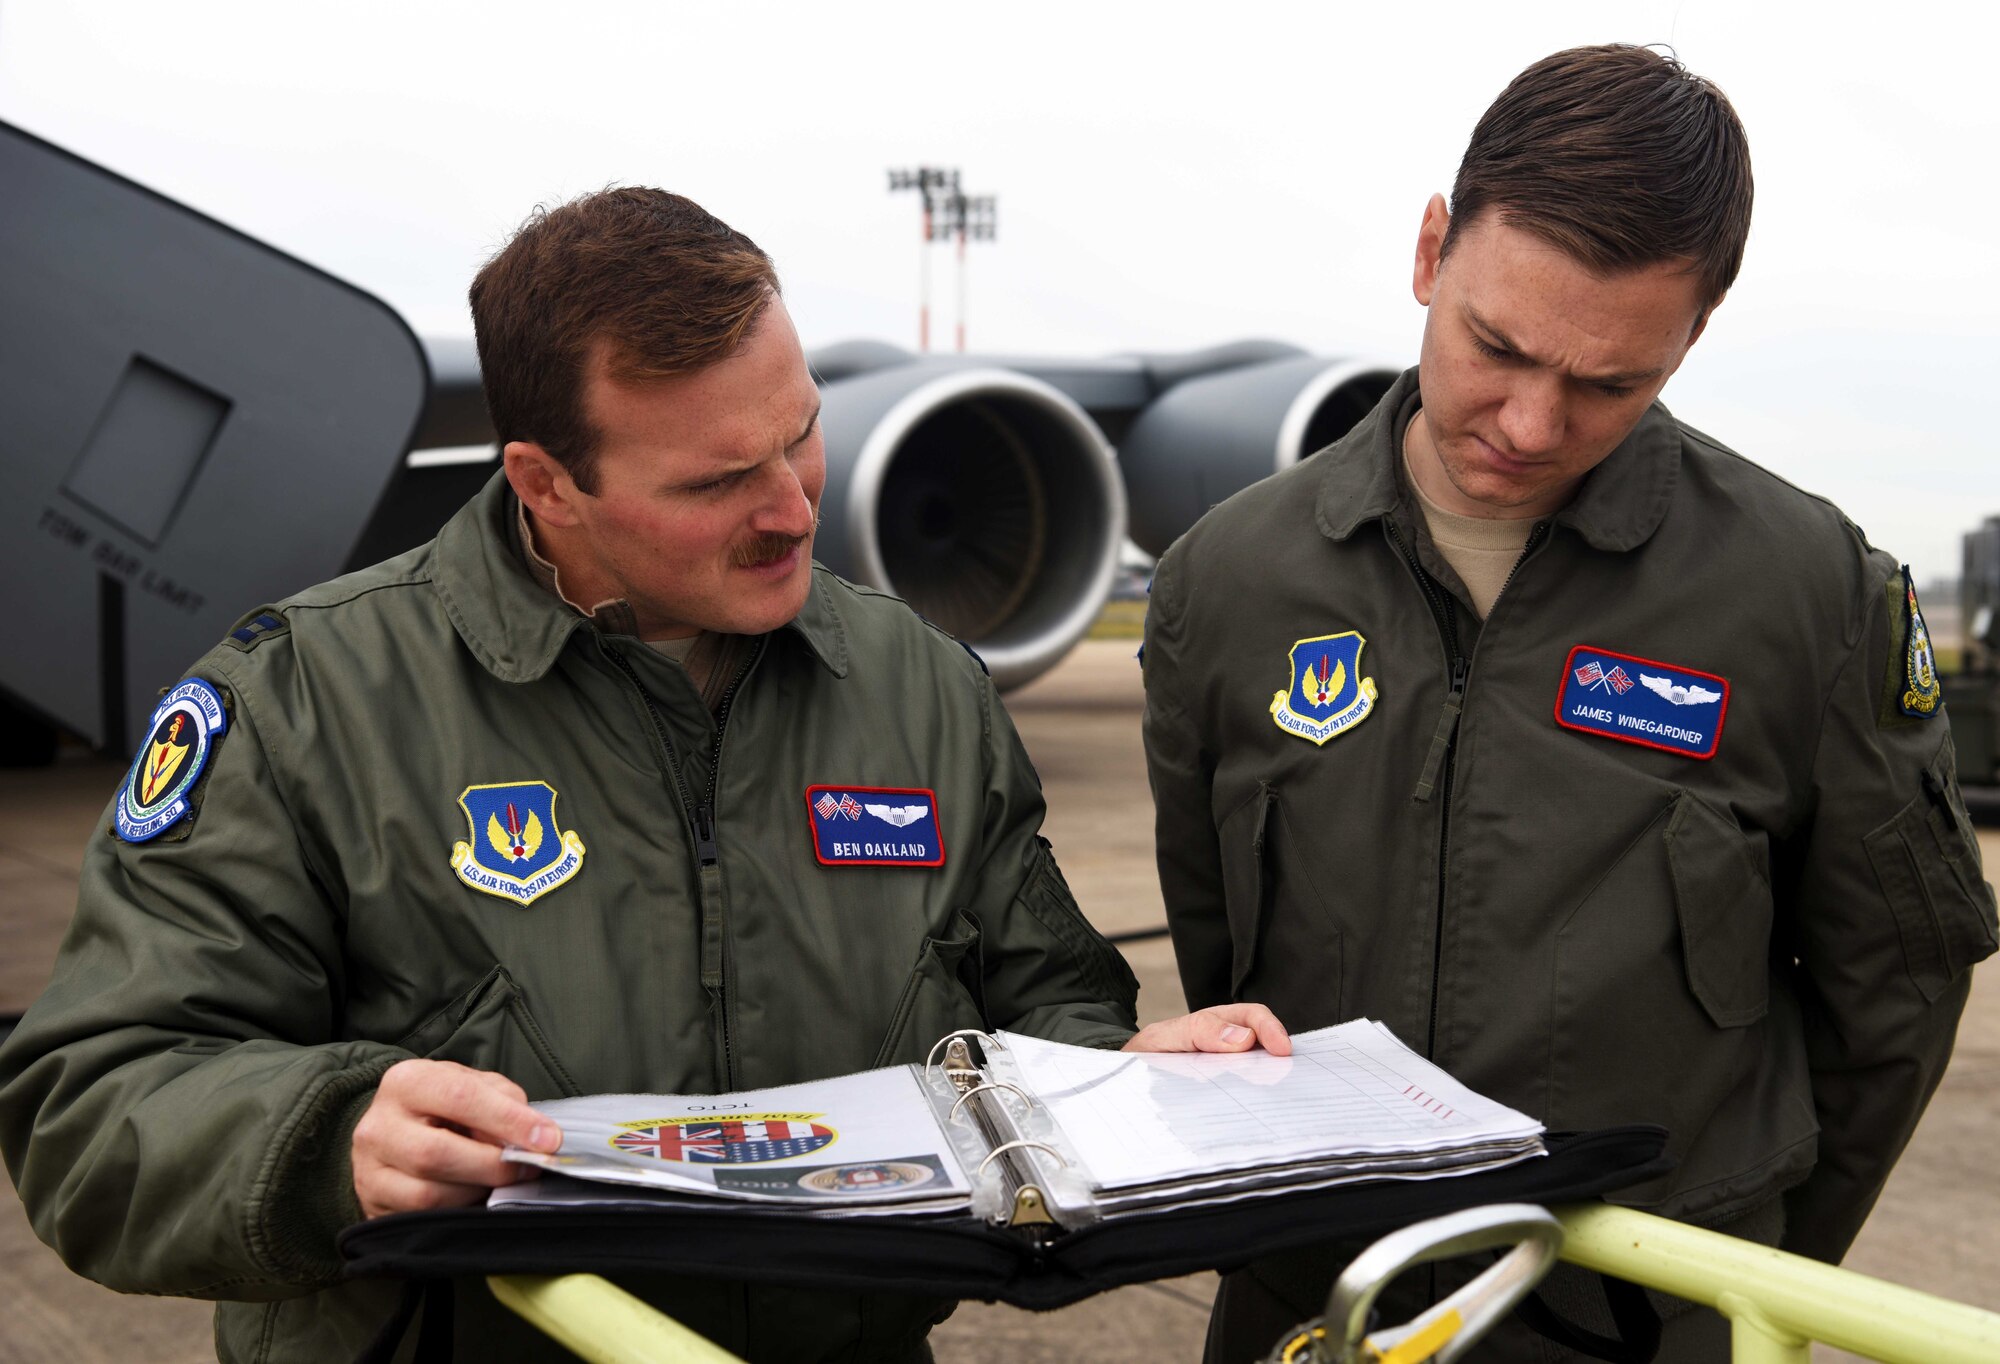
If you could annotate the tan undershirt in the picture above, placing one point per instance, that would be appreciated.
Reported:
(703, 654)
(1481, 551)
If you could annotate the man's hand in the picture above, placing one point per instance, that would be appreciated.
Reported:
(1225, 1027)
(432, 1137)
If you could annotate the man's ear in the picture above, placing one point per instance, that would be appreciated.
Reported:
(540, 481)
(1430, 248)
(1701, 323)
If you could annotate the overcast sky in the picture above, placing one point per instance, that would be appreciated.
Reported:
(1169, 176)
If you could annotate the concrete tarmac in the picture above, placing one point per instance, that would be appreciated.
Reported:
(1937, 1226)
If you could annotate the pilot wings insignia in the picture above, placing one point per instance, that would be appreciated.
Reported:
(1689, 695)
(899, 815)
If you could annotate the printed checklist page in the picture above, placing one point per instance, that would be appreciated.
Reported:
(1350, 1090)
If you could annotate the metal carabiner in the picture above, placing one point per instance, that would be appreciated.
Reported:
(1450, 1328)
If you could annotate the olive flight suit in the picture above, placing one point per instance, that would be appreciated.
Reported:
(177, 1108)
(1485, 835)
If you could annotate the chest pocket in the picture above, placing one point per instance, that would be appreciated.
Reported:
(944, 993)
(1277, 921)
(1723, 903)
(1926, 858)
(489, 1027)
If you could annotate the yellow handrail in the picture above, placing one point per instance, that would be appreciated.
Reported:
(603, 1323)
(1777, 1303)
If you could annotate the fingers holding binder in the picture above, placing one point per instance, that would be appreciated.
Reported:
(1223, 1027)
(432, 1135)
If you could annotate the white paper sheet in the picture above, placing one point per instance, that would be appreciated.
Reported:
(1136, 1118)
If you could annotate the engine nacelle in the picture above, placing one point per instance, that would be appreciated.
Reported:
(1213, 435)
(985, 498)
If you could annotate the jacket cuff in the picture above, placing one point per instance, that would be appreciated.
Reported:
(308, 1195)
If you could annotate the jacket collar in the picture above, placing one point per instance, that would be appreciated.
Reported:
(1619, 506)
(516, 628)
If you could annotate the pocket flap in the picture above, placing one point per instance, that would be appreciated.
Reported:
(1926, 860)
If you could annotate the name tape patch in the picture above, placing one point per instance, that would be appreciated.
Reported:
(874, 826)
(1642, 701)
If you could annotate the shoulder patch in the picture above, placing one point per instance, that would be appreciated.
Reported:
(255, 629)
(1911, 690)
(163, 787)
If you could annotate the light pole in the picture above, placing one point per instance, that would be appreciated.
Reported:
(933, 184)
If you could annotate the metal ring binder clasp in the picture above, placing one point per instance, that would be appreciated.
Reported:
(1004, 1147)
(945, 1041)
(989, 1084)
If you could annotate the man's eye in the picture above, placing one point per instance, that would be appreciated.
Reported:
(1614, 390)
(1491, 352)
(716, 485)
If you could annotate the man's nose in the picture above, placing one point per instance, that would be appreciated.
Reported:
(1533, 419)
(787, 510)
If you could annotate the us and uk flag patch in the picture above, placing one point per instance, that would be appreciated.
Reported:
(875, 826)
(1641, 701)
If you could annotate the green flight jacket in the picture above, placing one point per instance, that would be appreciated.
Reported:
(1765, 952)
(177, 1107)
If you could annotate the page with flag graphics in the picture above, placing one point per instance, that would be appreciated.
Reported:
(853, 1141)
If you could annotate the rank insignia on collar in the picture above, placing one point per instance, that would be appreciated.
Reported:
(1920, 692)
(1328, 694)
(1640, 701)
(875, 826)
(516, 851)
(180, 737)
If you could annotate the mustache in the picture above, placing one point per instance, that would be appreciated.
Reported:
(768, 547)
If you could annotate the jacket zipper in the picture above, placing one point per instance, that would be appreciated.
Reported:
(1438, 763)
(701, 822)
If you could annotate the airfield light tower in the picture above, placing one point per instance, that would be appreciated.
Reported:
(934, 185)
(968, 216)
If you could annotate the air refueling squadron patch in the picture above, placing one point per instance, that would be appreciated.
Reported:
(1328, 695)
(180, 737)
(1921, 692)
(516, 851)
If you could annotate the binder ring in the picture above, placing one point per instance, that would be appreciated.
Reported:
(989, 1084)
(931, 1060)
(1010, 1145)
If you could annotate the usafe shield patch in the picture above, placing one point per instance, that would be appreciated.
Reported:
(516, 851)
(179, 740)
(748, 1140)
(1920, 690)
(1641, 701)
(1328, 695)
(874, 826)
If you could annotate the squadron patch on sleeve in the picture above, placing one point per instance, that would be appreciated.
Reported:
(179, 739)
(516, 851)
(1328, 694)
(875, 826)
(1921, 692)
(1640, 701)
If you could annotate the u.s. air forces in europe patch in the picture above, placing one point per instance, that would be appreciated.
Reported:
(516, 851)
(180, 738)
(1328, 694)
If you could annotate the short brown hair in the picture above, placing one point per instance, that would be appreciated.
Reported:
(1619, 156)
(649, 280)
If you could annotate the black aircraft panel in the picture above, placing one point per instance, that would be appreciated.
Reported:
(191, 424)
